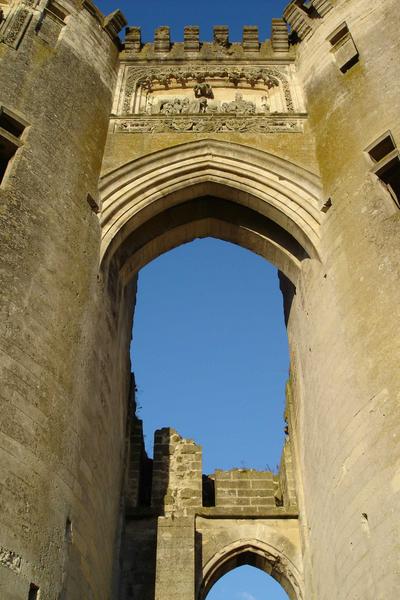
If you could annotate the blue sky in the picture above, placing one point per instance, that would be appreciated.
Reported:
(210, 357)
(210, 349)
(149, 14)
(247, 583)
(210, 353)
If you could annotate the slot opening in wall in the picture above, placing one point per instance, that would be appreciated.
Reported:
(339, 34)
(381, 147)
(343, 48)
(386, 158)
(9, 123)
(389, 174)
(68, 530)
(11, 131)
(34, 592)
(56, 10)
(8, 148)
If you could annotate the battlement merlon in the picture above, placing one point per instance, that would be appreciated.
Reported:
(250, 47)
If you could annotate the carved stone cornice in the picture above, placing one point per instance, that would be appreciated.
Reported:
(219, 123)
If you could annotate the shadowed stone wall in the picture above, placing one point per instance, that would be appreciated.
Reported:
(60, 453)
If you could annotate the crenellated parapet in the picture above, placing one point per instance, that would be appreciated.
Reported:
(179, 488)
(221, 47)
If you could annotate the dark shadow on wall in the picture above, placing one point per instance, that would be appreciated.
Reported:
(145, 486)
(288, 290)
(199, 209)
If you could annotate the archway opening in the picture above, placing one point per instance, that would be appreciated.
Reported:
(247, 583)
(210, 353)
(151, 206)
(255, 554)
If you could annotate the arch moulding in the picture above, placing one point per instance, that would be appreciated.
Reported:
(256, 553)
(255, 199)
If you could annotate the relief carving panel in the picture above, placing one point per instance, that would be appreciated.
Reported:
(206, 98)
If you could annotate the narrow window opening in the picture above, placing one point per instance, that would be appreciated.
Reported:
(11, 130)
(382, 147)
(327, 205)
(57, 11)
(8, 147)
(34, 592)
(343, 47)
(208, 491)
(389, 174)
(68, 530)
(11, 124)
(386, 158)
(94, 205)
(339, 34)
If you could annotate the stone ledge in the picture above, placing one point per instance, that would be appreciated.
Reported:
(276, 123)
(214, 512)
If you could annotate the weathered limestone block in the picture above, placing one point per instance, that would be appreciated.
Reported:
(280, 36)
(133, 39)
(221, 36)
(250, 39)
(162, 40)
(191, 39)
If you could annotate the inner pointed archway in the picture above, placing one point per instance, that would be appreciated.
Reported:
(255, 553)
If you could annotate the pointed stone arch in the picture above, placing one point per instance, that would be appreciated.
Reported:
(270, 559)
(210, 188)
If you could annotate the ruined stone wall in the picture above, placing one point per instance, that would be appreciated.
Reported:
(60, 450)
(245, 489)
(188, 528)
(177, 474)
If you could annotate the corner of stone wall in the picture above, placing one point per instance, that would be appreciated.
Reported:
(177, 473)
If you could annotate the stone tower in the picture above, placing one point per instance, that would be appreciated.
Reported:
(112, 153)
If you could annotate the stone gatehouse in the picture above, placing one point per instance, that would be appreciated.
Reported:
(113, 152)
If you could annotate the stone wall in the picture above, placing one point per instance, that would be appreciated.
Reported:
(60, 452)
(177, 474)
(344, 318)
(245, 489)
(167, 532)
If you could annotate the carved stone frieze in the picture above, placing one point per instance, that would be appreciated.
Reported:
(18, 24)
(199, 105)
(146, 78)
(207, 124)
